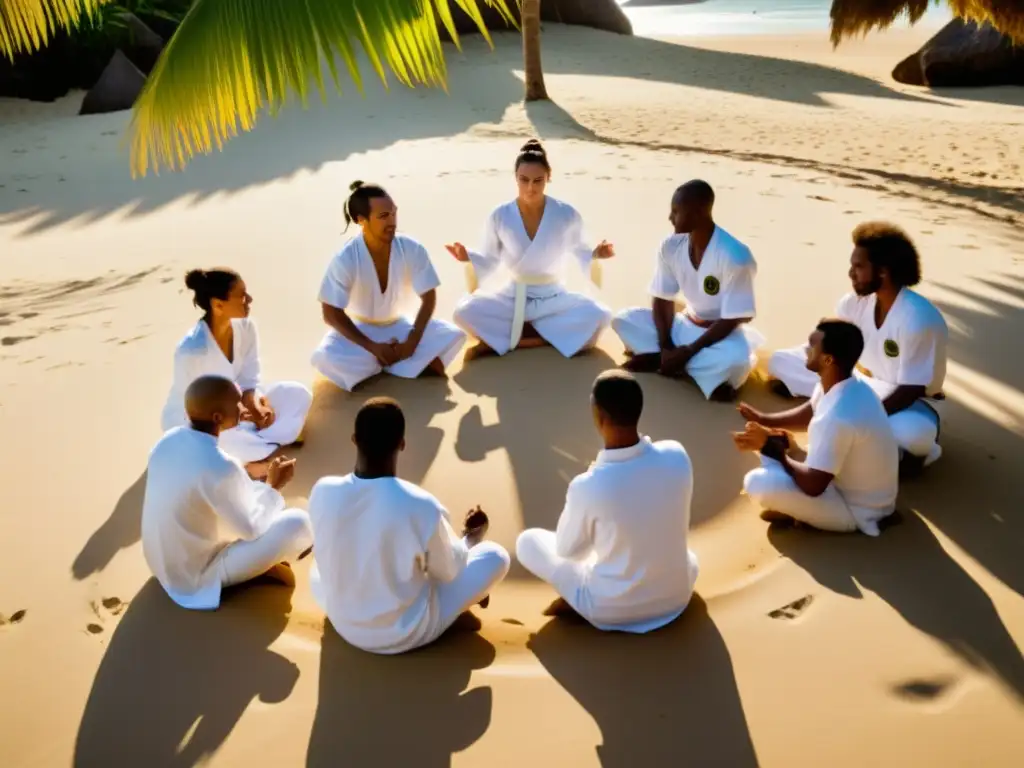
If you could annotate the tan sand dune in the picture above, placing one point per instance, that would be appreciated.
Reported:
(801, 649)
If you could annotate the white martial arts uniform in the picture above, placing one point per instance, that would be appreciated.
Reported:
(199, 355)
(207, 525)
(908, 350)
(721, 289)
(851, 439)
(351, 284)
(390, 573)
(619, 556)
(568, 321)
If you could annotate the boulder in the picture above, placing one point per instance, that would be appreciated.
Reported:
(117, 88)
(142, 46)
(598, 14)
(964, 54)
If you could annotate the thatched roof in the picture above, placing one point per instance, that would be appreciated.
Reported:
(855, 17)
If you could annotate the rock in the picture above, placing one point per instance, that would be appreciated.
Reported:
(598, 14)
(143, 46)
(964, 54)
(117, 88)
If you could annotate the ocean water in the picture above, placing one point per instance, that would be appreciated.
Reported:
(744, 17)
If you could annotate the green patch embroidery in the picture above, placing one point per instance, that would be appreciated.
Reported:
(711, 285)
(892, 349)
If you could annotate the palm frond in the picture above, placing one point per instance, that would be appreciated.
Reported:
(231, 59)
(28, 25)
(856, 17)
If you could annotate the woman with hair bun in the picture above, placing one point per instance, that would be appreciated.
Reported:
(531, 236)
(224, 343)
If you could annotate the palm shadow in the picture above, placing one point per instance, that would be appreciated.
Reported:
(93, 185)
(174, 683)
(410, 709)
(973, 494)
(328, 449)
(550, 439)
(908, 568)
(656, 697)
(121, 530)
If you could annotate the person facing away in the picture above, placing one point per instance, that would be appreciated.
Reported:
(531, 237)
(848, 477)
(206, 524)
(225, 343)
(905, 339)
(389, 572)
(367, 295)
(619, 556)
(709, 341)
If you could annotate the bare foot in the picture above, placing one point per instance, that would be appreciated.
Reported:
(559, 608)
(478, 350)
(646, 363)
(258, 469)
(436, 368)
(534, 342)
(282, 573)
(723, 394)
(778, 518)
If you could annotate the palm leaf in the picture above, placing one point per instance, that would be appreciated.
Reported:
(855, 17)
(231, 59)
(27, 25)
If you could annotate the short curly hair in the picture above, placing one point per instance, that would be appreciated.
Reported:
(889, 246)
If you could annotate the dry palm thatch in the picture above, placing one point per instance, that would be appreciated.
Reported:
(856, 17)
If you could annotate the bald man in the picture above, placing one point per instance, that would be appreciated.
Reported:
(709, 342)
(195, 494)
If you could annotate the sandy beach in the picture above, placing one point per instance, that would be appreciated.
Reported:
(802, 649)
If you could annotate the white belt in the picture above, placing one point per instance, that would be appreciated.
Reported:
(371, 321)
(522, 281)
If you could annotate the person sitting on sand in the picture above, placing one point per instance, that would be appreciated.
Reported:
(848, 477)
(531, 236)
(710, 340)
(905, 338)
(224, 343)
(390, 573)
(619, 555)
(193, 489)
(366, 294)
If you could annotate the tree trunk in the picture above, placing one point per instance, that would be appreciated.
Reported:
(535, 89)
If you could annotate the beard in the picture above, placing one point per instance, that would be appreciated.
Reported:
(868, 288)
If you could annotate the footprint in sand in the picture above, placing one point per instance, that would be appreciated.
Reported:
(14, 618)
(792, 610)
(515, 622)
(10, 341)
(104, 609)
(922, 689)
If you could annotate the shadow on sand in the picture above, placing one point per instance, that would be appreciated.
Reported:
(173, 683)
(666, 698)
(308, 139)
(121, 530)
(908, 568)
(329, 450)
(550, 439)
(411, 709)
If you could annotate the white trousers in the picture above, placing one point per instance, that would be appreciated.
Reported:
(770, 488)
(290, 401)
(916, 428)
(568, 321)
(488, 564)
(287, 537)
(347, 364)
(536, 550)
(730, 361)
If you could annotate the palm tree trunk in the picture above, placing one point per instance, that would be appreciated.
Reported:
(535, 89)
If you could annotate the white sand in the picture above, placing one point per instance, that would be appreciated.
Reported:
(907, 654)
